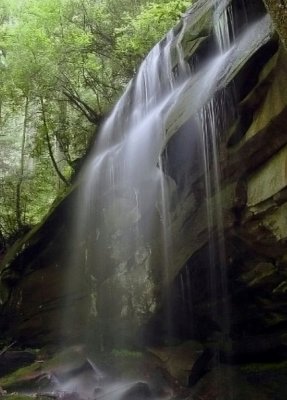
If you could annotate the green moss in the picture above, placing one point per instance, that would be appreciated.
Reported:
(12, 379)
(264, 367)
(69, 356)
(16, 396)
(124, 353)
(19, 396)
(21, 376)
(123, 363)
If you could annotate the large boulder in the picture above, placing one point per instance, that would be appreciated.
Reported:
(180, 361)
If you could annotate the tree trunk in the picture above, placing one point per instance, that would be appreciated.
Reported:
(46, 130)
(21, 171)
(59, 133)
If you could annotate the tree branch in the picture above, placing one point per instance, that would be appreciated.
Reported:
(81, 105)
(46, 130)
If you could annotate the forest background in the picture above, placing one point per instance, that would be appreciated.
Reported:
(63, 64)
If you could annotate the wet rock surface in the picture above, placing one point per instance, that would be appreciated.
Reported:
(139, 390)
(182, 362)
(70, 375)
(262, 381)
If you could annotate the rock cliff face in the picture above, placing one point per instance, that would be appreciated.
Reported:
(253, 159)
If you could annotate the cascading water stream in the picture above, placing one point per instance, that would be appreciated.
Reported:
(126, 198)
(124, 179)
(211, 116)
(224, 25)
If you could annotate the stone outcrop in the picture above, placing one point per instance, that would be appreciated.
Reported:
(179, 361)
(34, 290)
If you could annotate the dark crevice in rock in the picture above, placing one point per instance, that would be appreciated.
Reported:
(203, 54)
(200, 367)
(246, 13)
(247, 107)
(248, 76)
(254, 152)
(182, 157)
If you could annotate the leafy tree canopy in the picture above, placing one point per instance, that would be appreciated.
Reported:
(62, 65)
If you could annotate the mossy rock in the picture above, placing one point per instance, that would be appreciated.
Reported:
(21, 396)
(264, 367)
(36, 375)
(16, 396)
(270, 377)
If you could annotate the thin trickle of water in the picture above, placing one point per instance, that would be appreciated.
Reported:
(218, 280)
(224, 25)
(212, 118)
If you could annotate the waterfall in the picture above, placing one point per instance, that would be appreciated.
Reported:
(127, 202)
(224, 25)
(152, 179)
(124, 179)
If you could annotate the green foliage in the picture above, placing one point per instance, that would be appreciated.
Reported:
(67, 61)
(138, 34)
